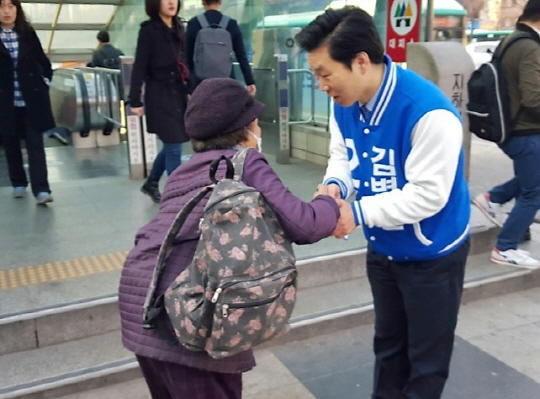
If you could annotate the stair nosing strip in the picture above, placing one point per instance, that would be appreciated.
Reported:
(64, 379)
(62, 308)
(113, 298)
(336, 255)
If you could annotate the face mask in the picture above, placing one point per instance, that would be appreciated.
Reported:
(257, 139)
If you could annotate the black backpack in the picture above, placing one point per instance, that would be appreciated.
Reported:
(489, 103)
(112, 63)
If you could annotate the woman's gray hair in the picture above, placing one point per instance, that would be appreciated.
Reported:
(220, 142)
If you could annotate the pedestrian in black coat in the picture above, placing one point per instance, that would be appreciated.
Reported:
(25, 107)
(160, 65)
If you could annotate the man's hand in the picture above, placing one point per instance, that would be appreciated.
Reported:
(332, 190)
(252, 90)
(346, 223)
(139, 111)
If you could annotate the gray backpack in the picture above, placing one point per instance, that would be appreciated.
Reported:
(212, 56)
(240, 288)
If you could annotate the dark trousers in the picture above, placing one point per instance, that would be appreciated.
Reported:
(416, 306)
(34, 149)
(173, 381)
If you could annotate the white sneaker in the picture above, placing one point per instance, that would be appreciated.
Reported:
(19, 192)
(514, 257)
(488, 208)
(44, 197)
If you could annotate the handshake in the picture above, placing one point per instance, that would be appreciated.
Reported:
(346, 223)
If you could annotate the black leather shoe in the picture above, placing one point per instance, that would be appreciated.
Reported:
(151, 188)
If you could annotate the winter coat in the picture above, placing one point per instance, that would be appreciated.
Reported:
(107, 56)
(159, 50)
(33, 68)
(521, 68)
(303, 223)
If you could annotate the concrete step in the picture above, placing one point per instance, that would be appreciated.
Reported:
(54, 323)
(78, 365)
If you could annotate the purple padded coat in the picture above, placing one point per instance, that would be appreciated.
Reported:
(303, 223)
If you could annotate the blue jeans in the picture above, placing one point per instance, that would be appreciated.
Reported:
(169, 158)
(524, 187)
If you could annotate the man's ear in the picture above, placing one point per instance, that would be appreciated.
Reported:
(362, 61)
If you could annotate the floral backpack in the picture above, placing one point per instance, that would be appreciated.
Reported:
(240, 288)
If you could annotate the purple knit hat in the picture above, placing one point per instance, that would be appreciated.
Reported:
(218, 106)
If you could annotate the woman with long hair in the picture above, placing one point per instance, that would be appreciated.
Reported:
(160, 65)
(25, 108)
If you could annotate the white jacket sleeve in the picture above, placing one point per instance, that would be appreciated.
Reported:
(430, 170)
(338, 170)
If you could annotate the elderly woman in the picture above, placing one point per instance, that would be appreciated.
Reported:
(221, 116)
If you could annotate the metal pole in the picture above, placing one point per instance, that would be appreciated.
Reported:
(282, 75)
(429, 20)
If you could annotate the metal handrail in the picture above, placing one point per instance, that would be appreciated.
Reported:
(312, 76)
(106, 78)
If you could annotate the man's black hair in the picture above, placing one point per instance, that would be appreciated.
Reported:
(347, 32)
(103, 36)
(531, 12)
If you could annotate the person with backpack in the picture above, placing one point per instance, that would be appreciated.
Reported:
(161, 66)
(396, 147)
(520, 69)
(106, 55)
(211, 38)
(221, 120)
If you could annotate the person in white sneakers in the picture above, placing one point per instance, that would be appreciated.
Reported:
(521, 68)
(492, 210)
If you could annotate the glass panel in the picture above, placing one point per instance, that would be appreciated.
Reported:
(74, 39)
(85, 13)
(126, 24)
(40, 13)
(44, 36)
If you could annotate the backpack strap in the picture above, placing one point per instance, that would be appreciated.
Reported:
(238, 162)
(224, 21)
(153, 306)
(505, 44)
(203, 21)
(497, 59)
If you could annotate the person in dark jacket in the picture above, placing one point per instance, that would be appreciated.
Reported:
(521, 71)
(220, 116)
(160, 65)
(106, 56)
(213, 16)
(25, 108)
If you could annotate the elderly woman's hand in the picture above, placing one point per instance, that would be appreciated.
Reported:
(332, 190)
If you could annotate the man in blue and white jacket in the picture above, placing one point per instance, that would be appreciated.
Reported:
(396, 142)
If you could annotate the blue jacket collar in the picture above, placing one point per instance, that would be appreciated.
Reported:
(384, 94)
